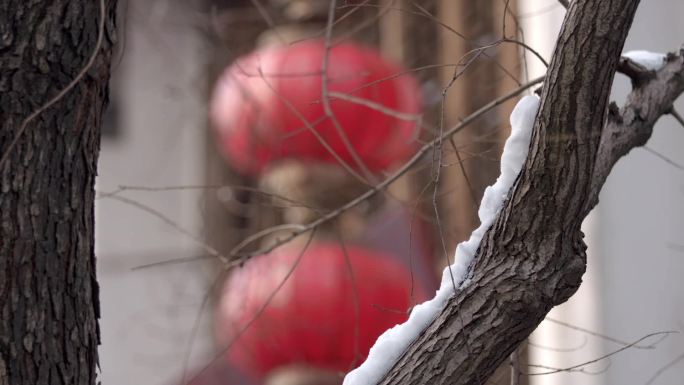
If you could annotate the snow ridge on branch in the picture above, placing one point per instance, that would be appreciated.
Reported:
(391, 344)
(652, 96)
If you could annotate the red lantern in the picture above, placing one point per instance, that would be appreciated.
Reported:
(311, 319)
(266, 104)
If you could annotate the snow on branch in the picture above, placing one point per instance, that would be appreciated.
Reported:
(533, 257)
(631, 126)
(652, 61)
(391, 344)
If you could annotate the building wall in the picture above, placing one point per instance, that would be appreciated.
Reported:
(633, 284)
(148, 314)
(642, 226)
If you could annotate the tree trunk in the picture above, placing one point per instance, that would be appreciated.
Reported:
(533, 257)
(48, 292)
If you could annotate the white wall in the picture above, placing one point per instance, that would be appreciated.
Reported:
(633, 285)
(642, 216)
(147, 315)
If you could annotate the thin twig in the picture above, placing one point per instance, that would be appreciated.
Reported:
(582, 370)
(665, 368)
(196, 324)
(595, 334)
(603, 357)
(435, 19)
(178, 261)
(584, 343)
(663, 157)
(459, 160)
(261, 309)
(676, 115)
(332, 214)
(437, 164)
(376, 106)
(515, 358)
(523, 56)
(503, 31)
(528, 48)
(256, 236)
(369, 22)
(355, 298)
(354, 8)
(326, 101)
(63, 92)
(210, 250)
(124, 188)
(414, 212)
(288, 104)
(426, 13)
(268, 19)
(403, 169)
(437, 168)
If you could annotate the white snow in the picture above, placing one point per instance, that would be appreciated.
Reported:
(391, 344)
(650, 60)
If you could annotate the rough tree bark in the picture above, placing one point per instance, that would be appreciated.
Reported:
(48, 292)
(533, 257)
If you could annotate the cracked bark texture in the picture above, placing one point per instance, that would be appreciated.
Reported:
(48, 291)
(533, 257)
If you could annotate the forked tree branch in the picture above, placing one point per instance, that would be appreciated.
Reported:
(632, 125)
(533, 257)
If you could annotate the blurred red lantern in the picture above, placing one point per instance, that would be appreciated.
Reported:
(312, 318)
(263, 102)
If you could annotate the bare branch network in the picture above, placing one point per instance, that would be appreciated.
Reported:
(533, 257)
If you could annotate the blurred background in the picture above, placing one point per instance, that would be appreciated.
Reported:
(176, 199)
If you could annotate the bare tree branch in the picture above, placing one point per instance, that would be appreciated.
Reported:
(632, 125)
(677, 116)
(603, 357)
(663, 158)
(398, 173)
(595, 334)
(667, 366)
(533, 257)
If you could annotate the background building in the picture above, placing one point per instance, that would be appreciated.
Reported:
(170, 52)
